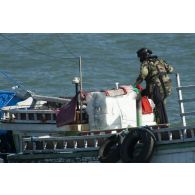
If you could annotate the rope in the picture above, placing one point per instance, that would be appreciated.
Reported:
(12, 81)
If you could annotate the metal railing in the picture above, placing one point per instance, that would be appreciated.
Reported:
(62, 144)
(181, 101)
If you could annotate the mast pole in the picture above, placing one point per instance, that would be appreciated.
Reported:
(81, 87)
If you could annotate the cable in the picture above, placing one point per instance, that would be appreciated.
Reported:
(12, 81)
(61, 58)
(30, 49)
(62, 42)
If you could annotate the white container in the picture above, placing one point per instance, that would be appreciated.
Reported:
(111, 112)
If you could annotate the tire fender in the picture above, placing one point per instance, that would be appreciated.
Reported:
(138, 146)
(109, 151)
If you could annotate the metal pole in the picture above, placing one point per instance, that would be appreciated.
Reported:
(181, 98)
(139, 111)
(81, 87)
(76, 90)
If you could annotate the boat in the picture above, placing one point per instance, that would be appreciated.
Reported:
(102, 126)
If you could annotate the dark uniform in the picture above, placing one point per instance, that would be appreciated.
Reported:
(158, 84)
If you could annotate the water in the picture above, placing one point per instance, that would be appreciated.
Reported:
(47, 63)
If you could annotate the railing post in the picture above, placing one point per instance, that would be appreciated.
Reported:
(182, 111)
(181, 104)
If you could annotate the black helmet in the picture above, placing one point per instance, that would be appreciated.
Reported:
(144, 53)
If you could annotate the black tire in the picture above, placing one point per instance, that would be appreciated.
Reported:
(137, 146)
(109, 151)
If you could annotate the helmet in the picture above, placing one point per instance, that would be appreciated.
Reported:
(144, 53)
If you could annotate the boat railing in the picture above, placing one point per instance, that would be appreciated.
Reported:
(174, 134)
(92, 140)
(28, 116)
(62, 143)
(182, 100)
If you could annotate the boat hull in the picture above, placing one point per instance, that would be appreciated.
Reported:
(175, 153)
(170, 153)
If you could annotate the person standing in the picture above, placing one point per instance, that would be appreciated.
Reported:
(158, 84)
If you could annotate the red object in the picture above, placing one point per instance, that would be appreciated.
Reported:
(146, 107)
(67, 114)
(139, 87)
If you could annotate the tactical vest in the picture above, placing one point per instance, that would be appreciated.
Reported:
(158, 75)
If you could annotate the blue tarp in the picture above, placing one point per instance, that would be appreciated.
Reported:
(7, 98)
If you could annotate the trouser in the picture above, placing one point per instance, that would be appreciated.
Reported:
(160, 110)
